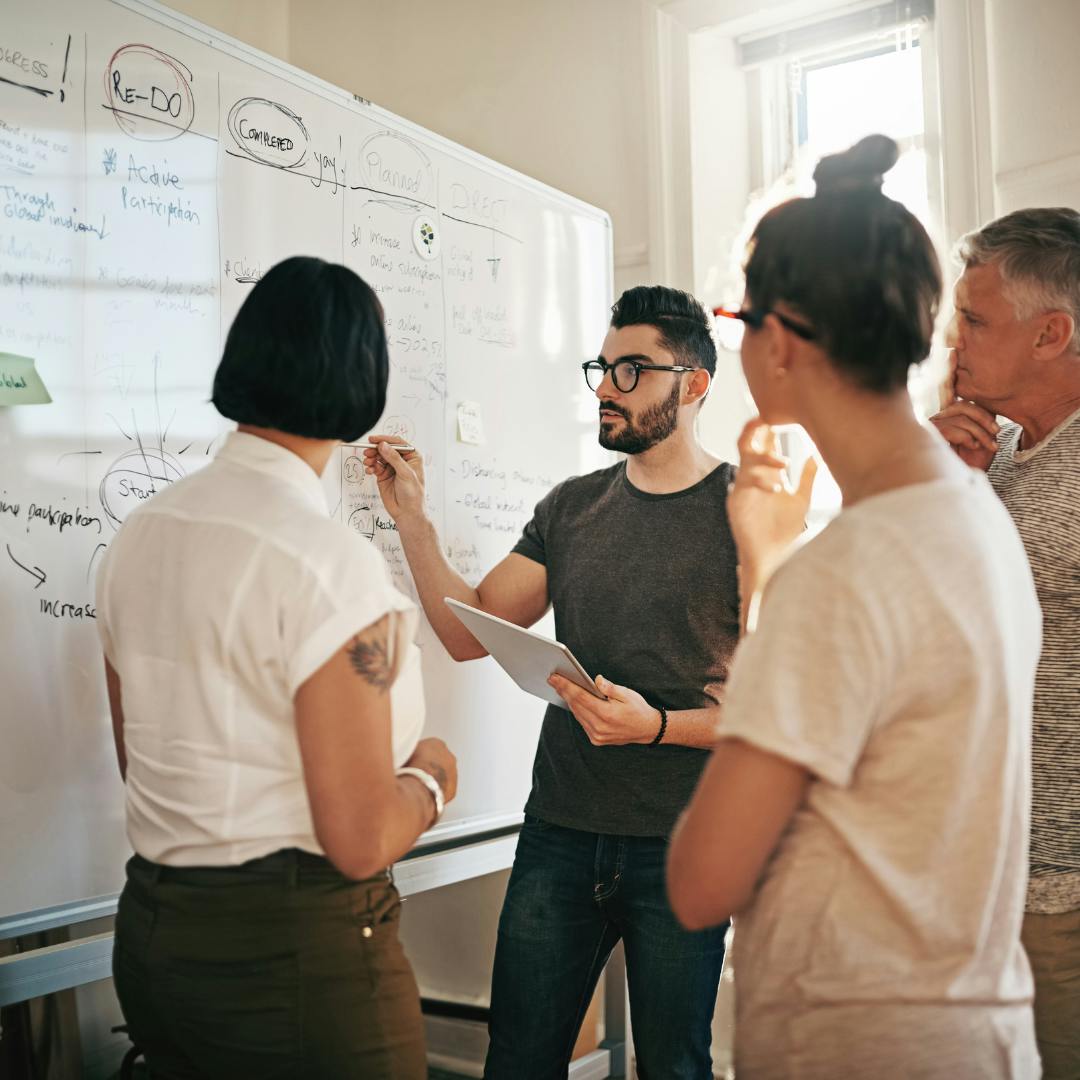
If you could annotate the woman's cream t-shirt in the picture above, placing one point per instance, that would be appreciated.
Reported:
(216, 601)
(894, 660)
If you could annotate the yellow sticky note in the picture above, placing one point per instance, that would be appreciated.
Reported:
(20, 384)
(470, 426)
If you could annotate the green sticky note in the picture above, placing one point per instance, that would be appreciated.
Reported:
(20, 384)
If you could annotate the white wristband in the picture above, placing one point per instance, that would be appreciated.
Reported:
(430, 783)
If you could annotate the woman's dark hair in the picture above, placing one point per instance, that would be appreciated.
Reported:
(306, 353)
(858, 267)
(684, 327)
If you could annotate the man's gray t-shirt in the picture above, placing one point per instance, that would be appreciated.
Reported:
(645, 593)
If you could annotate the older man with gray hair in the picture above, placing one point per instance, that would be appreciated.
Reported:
(1015, 341)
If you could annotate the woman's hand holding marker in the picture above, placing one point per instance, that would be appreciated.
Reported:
(398, 469)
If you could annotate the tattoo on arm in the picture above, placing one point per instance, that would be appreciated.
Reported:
(370, 659)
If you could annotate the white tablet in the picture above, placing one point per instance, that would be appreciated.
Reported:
(527, 657)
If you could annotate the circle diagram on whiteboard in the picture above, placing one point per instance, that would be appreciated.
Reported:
(425, 236)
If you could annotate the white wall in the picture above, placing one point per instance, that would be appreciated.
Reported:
(1035, 89)
(553, 89)
(720, 171)
(262, 24)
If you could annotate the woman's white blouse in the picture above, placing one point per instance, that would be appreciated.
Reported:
(216, 600)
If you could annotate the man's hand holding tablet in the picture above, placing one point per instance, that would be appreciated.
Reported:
(610, 715)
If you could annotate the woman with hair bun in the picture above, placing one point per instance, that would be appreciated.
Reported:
(865, 812)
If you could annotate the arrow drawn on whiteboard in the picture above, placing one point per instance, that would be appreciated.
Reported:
(118, 427)
(36, 572)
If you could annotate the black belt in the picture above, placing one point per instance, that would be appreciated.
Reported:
(288, 862)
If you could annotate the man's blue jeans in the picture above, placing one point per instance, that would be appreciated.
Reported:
(572, 896)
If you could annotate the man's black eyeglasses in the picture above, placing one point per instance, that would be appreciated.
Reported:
(755, 318)
(624, 373)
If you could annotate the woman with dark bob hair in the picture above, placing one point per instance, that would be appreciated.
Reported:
(864, 815)
(267, 707)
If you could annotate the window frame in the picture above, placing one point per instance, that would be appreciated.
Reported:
(774, 129)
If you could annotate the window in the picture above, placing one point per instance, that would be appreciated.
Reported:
(817, 89)
(839, 100)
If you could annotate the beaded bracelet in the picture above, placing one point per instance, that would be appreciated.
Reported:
(663, 725)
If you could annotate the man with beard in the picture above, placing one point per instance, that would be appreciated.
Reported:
(639, 563)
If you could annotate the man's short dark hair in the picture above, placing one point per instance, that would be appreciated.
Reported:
(306, 353)
(683, 324)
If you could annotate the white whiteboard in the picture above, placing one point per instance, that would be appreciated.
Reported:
(150, 171)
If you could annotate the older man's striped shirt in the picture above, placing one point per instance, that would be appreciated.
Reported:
(1040, 487)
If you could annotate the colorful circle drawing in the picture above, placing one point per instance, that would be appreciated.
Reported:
(425, 237)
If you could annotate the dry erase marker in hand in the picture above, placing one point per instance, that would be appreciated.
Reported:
(401, 448)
